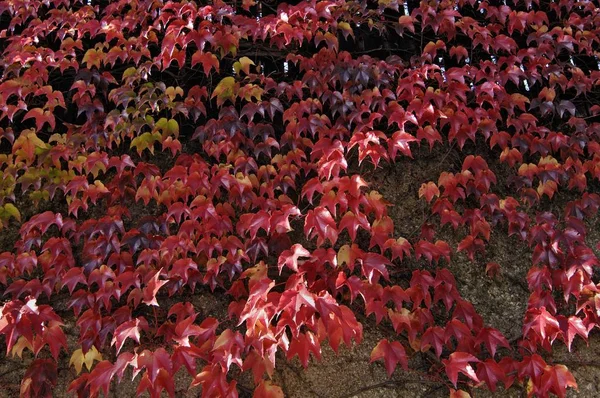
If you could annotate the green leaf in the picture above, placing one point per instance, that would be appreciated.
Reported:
(173, 128)
(145, 141)
(167, 127)
(225, 90)
(10, 210)
(129, 72)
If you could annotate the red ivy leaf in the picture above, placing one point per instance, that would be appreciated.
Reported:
(391, 353)
(40, 379)
(556, 379)
(208, 60)
(290, 257)
(130, 329)
(351, 222)
(373, 265)
(433, 336)
(41, 116)
(429, 190)
(459, 362)
(490, 372)
(152, 287)
(492, 338)
(267, 389)
(320, 223)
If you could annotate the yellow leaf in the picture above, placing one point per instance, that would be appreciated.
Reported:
(249, 91)
(28, 145)
(19, 346)
(459, 394)
(168, 127)
(58, 138)
(243, 64)
(173, 92)
(346, 29)
(129, 72)
(225, 90)
(530, 387)
(78, 359)
(343, 255)
(93, 57)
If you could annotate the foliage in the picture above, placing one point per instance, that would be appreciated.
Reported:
(233, 129)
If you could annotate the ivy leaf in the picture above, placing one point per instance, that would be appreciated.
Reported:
(490, 372)
(226, 90)
(243, 64)
(320, 223)
(492, 338)
(492, 269)
(226, 349)
(100, 377)
(55, 338)
(399, 142)
(374, 265)
(168, 127)
(391, 353)
(20, 345)
(351, 221)
(429, 190)
(27, 146)
(9, 210)
(346, 29)
(566, 106)
(430, 134)
(158, 366)
(433, 336)
(459, 52)
(173, 145)
(542, 323)
(556, 379)
(572, 327)
(303, 345)
(267, 389)
(214, 382)
(531, 366)
(258, 365)
(78, 359)
(145, 141)
(40, 379)
(41, 116)
(459, 394)
(459, 362)
(208, 60)
(93, 57)
(290, 257)
(152, 287)
(130, 329)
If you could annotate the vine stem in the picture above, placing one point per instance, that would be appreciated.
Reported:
(155, 316)
(393, 383)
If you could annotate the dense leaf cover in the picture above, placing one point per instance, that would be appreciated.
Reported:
(236, 128)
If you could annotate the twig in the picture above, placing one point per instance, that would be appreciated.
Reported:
(393, 383)
(432, 391)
